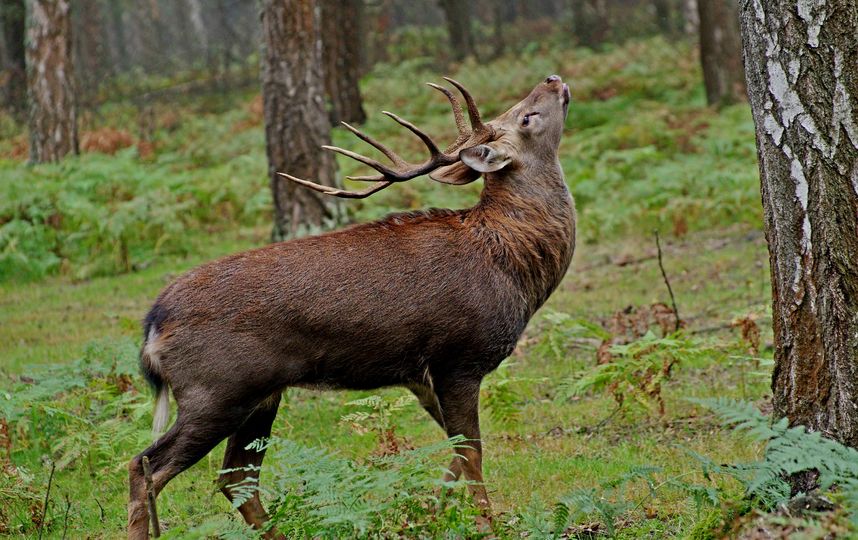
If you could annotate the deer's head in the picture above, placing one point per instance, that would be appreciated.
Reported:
(525, 136)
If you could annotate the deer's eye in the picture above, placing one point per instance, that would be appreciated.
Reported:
(526, 120)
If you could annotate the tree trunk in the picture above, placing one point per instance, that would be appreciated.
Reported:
(118, 31)
(195, 17)
(503, 13)
(12, 16)
(296, 124)
(148, 40)
(664, 16)
(720, 52)
(458, 17)
(50, 81)
(690, 17)
(342, 33)
(378, 17)
(89, 50)
(590, 21)
(803, 87)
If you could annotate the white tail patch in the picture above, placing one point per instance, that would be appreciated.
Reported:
(151, 351)
(162, 411)
(152, 357)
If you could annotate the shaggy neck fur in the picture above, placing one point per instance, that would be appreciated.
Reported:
(527, 219)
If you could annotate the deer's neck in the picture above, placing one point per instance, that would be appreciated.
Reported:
(526, 219)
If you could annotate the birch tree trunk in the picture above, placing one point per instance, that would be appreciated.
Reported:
(342, 37)
(50, 81)
(721, 52)
(195, 16)
(296, 123)
(803, 87)
(690, 17)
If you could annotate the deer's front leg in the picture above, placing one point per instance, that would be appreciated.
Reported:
(460, 403)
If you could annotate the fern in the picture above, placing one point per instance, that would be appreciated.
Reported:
(788, 450)
(321, 495)
(637, 371)
(82, 410)
(501, 398)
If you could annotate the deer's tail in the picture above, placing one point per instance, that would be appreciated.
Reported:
(150, 365)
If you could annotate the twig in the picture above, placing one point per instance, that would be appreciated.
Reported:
(667, 281)
(66, 518)
(601, 422)
(150, 497)
(47, 498)
(100, 509)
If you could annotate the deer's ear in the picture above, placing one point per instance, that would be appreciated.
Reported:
(457, 174)
(485, 158)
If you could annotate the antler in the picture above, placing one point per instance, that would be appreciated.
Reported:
(403, 170)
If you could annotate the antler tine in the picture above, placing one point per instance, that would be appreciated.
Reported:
(380, 167)
(458, 116)
(368, 178)
(402, 170)
(473, 111)
(427, 140)
(391, 155)
(342, 193)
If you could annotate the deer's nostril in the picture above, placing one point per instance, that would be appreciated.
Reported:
(552, 78)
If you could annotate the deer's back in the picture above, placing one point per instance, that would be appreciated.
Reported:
(370, 306)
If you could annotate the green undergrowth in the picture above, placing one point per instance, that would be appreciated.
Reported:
(369, 465)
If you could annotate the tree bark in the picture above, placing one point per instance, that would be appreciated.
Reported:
(12, 16)
(195, 17)
(803, 88)
(50, 81)
(664, 16)
(296, 124)
(503, 13)
(378, 17)
(720, 52)
(119, 40)
(458, 17)
(342, 34)
(690, 17)
(89, 50)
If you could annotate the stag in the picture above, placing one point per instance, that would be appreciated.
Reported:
(431, 300)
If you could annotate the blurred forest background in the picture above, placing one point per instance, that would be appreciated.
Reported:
(140, 138)
(170, 90)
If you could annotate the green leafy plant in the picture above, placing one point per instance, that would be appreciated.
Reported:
(611, 500)
(317, 494)
(636, 371)
(788, 451)
(561, 331)
(378, 418)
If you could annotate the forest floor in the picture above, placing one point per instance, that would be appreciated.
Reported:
(642, 152)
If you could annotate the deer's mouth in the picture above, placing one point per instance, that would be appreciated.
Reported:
(567, 96)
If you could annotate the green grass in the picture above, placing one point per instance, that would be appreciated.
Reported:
(641, 152)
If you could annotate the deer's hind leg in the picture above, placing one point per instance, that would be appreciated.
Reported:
(195, 433)
(238, 456)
